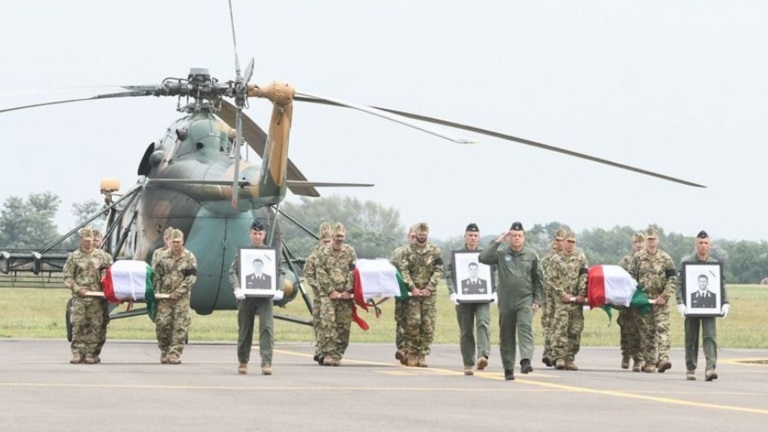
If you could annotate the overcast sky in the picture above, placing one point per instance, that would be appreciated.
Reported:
(677, 87)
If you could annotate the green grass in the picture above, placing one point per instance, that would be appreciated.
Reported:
(39, 313)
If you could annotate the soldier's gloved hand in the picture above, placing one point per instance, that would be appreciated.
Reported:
(494, 298)
(239, 294)
(279, 295)
(726, 308)
(454, 299)
(681, 309)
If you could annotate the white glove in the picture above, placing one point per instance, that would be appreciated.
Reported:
(239, 294)
(278, 295)
(454, 299)
(681, 309)
(726, 308)
(494, 298)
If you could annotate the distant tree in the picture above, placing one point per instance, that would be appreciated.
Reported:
(86, 210)
(28, 224)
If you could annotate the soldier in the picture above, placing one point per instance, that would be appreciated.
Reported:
(311, 278)
(166, 245)
(83, 272)
(629, 318)
(248, 308)
(471, 316)
(107, 257)
(520, 295)
(401, 304)
(654, 270)
(567, 282)
(707, 324)
(422, 267)
(548, 309)
(334, 272)
(175, 274)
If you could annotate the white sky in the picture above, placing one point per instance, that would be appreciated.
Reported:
(675, 87)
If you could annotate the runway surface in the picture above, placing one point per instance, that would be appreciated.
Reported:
(370, 391)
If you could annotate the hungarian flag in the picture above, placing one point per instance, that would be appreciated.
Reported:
(611, 286)
(375, 278)
(130, 280)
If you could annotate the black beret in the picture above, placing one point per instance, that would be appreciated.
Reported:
(257, 225)
(472, 228)
(516, 226)
(702, 234)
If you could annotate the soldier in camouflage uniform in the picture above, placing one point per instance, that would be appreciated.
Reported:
(567, 281)
(629, 318)
(83, 272)
(97, 237)
(422, 268)
(401, 305)
(471, 316)
(334, 278)
(548, 310)
(248, 308)
(707, 324)
(309, 274)
(654, 270)
(175, 274)
(166, 245)
(520, 295)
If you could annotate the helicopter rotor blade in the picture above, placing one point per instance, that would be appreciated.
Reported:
(134, 91)
(311, 99)
(257, 140)
(236, 153)
(248, 71)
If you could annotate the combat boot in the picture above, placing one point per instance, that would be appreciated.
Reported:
(525, 366)
(266, 370)
(400, 355)
(164, 358)
(98, 359)
(89, 359)
(468, 371)
(649, 367)
(242, 369)
(690, 375)
(411, 360)
(336, 362)
(76, 359)
(710, 375)
(664, 365)
(625, 362)
(327, 361)
(560, 364)
(637, 365)
(482, 363)
(174, 360)
(571, 366)
(547, 361)
(509, 374)
(422, 361)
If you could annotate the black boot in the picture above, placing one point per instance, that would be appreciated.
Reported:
(525, 366)
(509, 374)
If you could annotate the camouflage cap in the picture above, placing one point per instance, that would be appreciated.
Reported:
(85, 233)
(569, 235)
(702, 235)
(412, 229)
(516, 226)
(638, 237)
(472, 228)
(177, 235)
(325, 230)
(422, 227)
(339, 229)
(651, 233)
(167, 233)
(560, 233)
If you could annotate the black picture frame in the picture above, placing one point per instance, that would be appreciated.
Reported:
(703, 289)
(473, 280)
(259, 282)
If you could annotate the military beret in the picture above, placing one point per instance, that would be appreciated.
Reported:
(472, 228)
(560, 233)
(325, 230)
(651, 233)
(256, 225)
(702, 234)
(177, 235)
(339, 229)
(638, 238)
(167, 233)
(516, 226)
(422, 227)
(86, 233)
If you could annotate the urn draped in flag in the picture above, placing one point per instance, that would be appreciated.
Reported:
(376, 278)
(612, 286)
(130, 280)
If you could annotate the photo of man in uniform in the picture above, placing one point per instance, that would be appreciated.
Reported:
(258, 279)
(703, 298)
(474, 284)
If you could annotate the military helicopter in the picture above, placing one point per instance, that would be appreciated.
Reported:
(193, 178)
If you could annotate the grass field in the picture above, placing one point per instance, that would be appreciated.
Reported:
(39, 313)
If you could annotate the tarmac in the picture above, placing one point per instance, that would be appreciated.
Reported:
(370, 391)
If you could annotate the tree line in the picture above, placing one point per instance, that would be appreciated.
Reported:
(376, 230)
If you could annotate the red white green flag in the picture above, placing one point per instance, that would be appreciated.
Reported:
(130, 280)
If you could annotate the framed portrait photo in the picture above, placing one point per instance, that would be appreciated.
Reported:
(703, 289)
(472, 279)
(258, 271)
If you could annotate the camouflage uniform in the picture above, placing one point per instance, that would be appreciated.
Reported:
(310, 276)
(471, 317)
(105, 310)
(520, 286)
(84, 271)
(334, 271)
(567, 274)
(422, 268)
(174, 273)
(629, 323)
(401, 308)
(548, 308)
(657, 275)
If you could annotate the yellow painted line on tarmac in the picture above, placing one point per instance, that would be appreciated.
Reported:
(760, 361)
